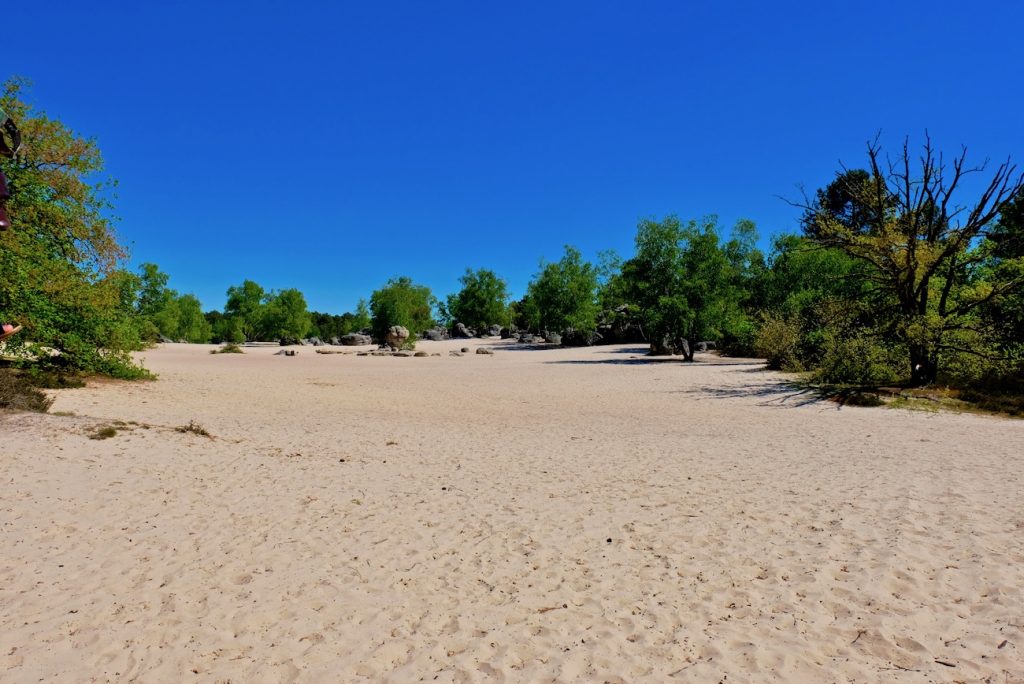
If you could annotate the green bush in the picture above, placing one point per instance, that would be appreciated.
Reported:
(859, 360)
(401, 302)
(778, 340)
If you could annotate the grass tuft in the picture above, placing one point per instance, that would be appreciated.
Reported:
(229, 348)
(195, 428)
(105, 432)
(18, 393)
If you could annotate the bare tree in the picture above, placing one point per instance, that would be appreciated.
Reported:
(923, 245)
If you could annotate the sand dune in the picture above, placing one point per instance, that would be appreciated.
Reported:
(535, 515)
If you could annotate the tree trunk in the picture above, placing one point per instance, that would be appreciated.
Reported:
(924, 365)
(687, 350)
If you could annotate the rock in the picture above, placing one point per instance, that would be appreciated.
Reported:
(362, 353)
(435, 334)
(507, 333)
(421, 354)
(669, 345)
(494, 331)
(287, 352)
(436, 354)
(454, 353)
(313, 341)
(553, 338)
(403, 354)
(462, 332)
(165, 339)
(580, 338)
(356, 339)
(526, 338)
(335, 342)
(484, 350)
(396, 337)
(465, 350)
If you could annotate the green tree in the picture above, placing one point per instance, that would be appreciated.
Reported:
(192, 324)
(245, 308)
(924, 248)
(62, 265)
(401, 302)
(684, 284)
(482, 301)
(563, 295)
(285, 316)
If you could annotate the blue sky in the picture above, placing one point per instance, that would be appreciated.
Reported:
(329, 146)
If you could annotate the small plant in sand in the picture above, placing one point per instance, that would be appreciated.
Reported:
(229, 348)
(105, 432)
(17, 392)
(195, 428)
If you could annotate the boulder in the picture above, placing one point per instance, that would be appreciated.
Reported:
(313, 341)
(507, 333)
(484, 350)
(668, 345)
(335, 342)
(164, 339)
(462, 332)
(465, 350)
(435, 334)
(403, 354)
(526, 338)
(454, 353)
(580, 338)
(494, 331)
(356, 339)
(553, 338)
(396, 337)
(421, 354)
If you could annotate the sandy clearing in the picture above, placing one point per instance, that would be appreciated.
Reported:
(754, 533)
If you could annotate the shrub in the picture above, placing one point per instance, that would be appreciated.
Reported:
(229, 348)
(19, 394)
(777, 341)
(858, 360)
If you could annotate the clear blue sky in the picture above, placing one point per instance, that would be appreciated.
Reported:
(329, 146)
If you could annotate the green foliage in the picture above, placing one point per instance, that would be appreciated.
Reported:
(229, 348)
(482, 301)
(686, 284)
(285, 316)
(859, 360)
(401, 302)
(563, 295)
(60, 263)
(245, 308)
(923, 249)
(778, 341)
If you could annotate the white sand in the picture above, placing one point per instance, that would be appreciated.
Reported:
(755, 535)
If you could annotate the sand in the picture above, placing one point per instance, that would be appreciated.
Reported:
(535, 515)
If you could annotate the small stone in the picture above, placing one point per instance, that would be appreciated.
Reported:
(484, 350)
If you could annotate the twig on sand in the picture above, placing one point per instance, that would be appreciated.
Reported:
(860, 633)
(945, 662)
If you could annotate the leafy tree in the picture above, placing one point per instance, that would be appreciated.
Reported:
(563, 295)
(684, 284)
(245, 308)
(482, 301)
(61, 263)
(401, 302)
(192, 324)
(361, 319)
(924, 249)
(285, 316)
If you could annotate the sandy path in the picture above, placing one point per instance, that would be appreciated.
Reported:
(754, 534)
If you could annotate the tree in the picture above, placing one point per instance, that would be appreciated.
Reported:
(563, 295)
(482, 301)
(923, 247)
(684, 284)
(401, 302)
(245, 308)
(285, 316)
(192, 324)
(62, 265)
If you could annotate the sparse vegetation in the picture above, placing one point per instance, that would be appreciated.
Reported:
(104, 432)
(194, 428)
(229, 348)
(18, 393)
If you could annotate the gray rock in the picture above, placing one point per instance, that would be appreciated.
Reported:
(435, 334)
(356, 339)
(454, 353)
(465, 350)
(421, 354)
(553, 338)
(494, 331)
(335, 342)
(580, 338)
(462, 332)
(403, 354)
(484, 350)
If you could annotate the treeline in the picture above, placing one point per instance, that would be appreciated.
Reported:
(890, 277)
